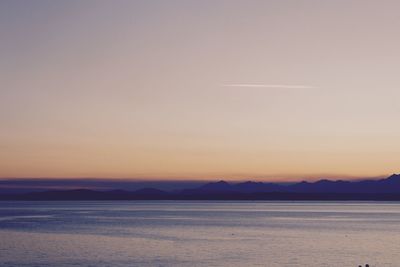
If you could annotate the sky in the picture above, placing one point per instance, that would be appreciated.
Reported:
(263, 90)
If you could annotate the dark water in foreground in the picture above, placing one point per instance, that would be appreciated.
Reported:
(206, 233)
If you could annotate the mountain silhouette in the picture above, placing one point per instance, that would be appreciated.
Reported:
(387, 185)
(381, 189)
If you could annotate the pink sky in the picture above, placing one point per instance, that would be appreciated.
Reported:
(199, 89)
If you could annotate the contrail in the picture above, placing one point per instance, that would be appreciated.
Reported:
(256, 85)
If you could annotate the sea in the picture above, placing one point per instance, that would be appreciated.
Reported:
(199, 233)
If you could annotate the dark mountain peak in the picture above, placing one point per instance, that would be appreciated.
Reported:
(323, 181)
(330, 182)
(394, 177)
(383, 189)
(221, 183)
(393, 181)
(217, 186)
(303, 182)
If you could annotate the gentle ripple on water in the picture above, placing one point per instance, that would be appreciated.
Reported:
(199, 233)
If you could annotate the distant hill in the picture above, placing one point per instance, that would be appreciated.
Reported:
(387, 185)
(382, 189)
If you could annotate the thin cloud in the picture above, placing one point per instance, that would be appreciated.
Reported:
(279, 86)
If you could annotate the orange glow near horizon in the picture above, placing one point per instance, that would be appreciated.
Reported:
(269, 90)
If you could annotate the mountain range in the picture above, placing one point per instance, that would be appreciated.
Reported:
(381, 189)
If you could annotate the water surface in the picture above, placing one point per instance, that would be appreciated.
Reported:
(199, 233)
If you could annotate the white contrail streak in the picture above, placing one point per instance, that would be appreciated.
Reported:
(282, 86)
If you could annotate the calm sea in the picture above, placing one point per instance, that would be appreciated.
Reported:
(201, 233)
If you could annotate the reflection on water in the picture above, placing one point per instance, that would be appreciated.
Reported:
(201, 233)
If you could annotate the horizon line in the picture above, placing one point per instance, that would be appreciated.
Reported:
(199, 180)
(276, 86)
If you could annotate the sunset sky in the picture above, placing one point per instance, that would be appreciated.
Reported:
(267, 90)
